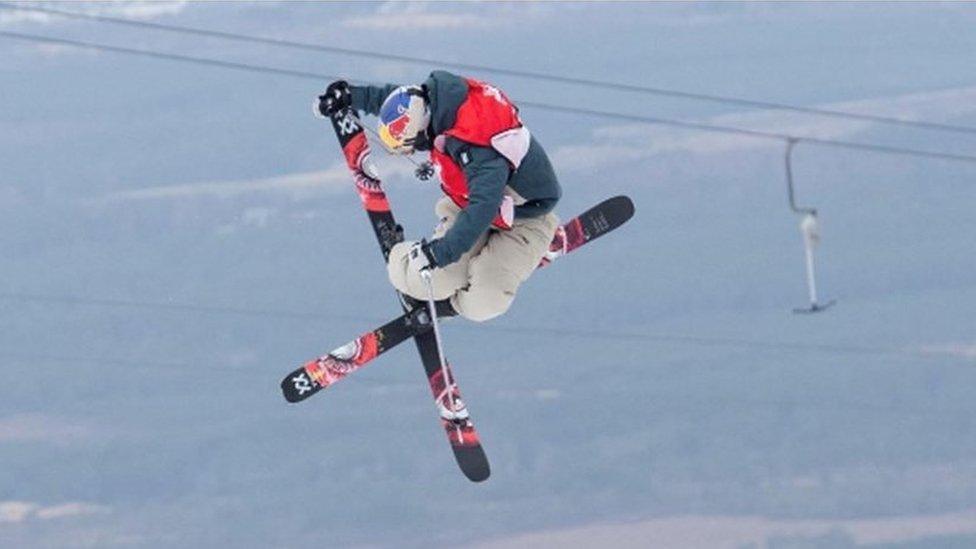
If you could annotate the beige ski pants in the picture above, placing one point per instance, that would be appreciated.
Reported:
(482, 284)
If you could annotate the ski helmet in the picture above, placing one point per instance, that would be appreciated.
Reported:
(404, 117)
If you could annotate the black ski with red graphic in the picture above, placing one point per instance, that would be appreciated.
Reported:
(319, 373)
(455, 419)
(588, 226)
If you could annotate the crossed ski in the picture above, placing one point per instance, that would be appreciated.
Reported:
(322, 372)
(326, 370)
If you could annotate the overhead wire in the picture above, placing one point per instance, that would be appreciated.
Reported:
(669, 399)
(885, 149)
(364, 379)
(76, 359)
(166, 56)
(187, 307)
(561, 331)
(588, 82)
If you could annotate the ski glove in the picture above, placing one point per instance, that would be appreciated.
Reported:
(336, 98)
(421, 258)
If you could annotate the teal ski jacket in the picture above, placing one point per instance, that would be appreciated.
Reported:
(487, 171)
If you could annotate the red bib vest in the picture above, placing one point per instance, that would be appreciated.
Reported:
(486, 118)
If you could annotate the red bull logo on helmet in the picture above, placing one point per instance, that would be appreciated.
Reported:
(398, 124)
(402, 115)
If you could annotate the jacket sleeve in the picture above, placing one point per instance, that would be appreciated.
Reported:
(369, 99)
(487, 173)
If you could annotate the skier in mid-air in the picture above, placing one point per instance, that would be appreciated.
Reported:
(496, 222)
(496, 227)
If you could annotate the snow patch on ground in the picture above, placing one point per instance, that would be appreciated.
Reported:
(300, 185)
(42, 428)
(137, 9)
(409, 21)
(14, 512)
(72, 509)
(963, 350)
(331, 180)
(417, 15)
(714, 532)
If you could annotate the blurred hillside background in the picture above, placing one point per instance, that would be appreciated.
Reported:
(175, 237)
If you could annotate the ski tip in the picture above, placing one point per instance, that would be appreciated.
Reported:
(286, 391)
(297, 386)
(473, 462)
(624, 203)
(478, 475)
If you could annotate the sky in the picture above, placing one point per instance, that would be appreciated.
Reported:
(176, 237)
